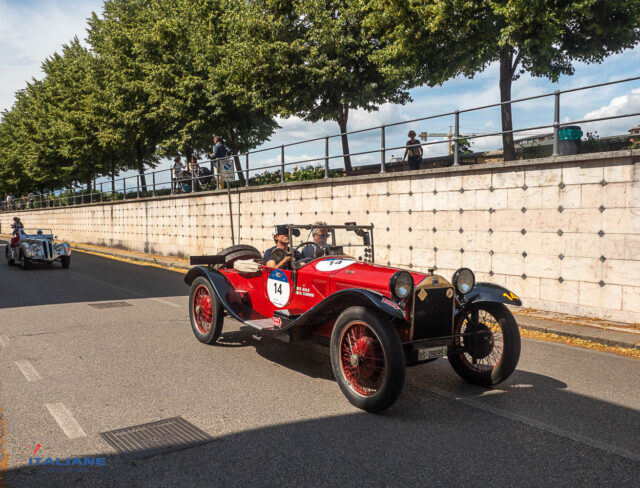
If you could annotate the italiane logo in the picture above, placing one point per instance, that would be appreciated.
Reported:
(59, 464)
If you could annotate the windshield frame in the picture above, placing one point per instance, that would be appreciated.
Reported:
(349, 226)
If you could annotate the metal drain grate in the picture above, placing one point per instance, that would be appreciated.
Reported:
(146, 440)
(110, 305)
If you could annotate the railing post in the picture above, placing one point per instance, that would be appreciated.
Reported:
(124, 188)
(138, 186)
(456, 161)
(282, 164)
(101, 193)
(556, 123)
(153, 177)
(246, 165)
(383, 151)
(326, 156)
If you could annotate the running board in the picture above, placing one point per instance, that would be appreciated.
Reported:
(266, 325)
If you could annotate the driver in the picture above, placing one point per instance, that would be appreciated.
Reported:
(320, 233)
(17, 231)
(281, 238)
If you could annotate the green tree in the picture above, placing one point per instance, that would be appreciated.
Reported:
(439, 39)
(312, 58)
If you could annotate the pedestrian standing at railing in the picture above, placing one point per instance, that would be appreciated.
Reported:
(219, 151)
(414, 151)
(31, 198)
(176, 169)
(194, 169)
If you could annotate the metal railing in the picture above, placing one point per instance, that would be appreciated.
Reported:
(168, 182)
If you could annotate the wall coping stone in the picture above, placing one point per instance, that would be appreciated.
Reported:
(629, 156)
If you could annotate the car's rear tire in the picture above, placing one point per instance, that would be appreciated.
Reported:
(10, 261)
(367, 359)
(492, 355)
(240, 251)
(205, 311)
(65, 261)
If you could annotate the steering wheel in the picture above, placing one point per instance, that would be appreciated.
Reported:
(318, 251)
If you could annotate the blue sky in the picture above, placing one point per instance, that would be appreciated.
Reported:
(32, 30)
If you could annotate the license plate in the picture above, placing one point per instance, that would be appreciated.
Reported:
(432, 353)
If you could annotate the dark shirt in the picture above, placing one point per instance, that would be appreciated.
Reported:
(219, 151)
(413, 148)
(267, 257)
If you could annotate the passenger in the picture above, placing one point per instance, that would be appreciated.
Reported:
(320, 234)
(281, 238)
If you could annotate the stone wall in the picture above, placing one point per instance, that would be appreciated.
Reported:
(563, 233)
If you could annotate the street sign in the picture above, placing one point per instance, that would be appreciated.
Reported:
(225, 170)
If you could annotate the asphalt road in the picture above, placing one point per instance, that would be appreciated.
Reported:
(69, 371)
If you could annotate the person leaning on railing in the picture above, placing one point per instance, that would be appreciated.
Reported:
(414, 151)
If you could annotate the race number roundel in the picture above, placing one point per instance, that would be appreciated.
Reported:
(334, 264)
(278, 288)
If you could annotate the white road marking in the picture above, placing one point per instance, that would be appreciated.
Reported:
(552, 429)
(4, 340)
(127, 290)
(65, 420)
(28, 370)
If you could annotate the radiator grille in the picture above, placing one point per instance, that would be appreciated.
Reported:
(433, 315)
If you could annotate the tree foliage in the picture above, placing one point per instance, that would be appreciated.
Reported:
(439, 39)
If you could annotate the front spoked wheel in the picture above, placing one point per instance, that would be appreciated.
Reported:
(490, 350)
(367, 359)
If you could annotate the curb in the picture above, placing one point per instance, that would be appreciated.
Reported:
(571, 335)
(129, 257)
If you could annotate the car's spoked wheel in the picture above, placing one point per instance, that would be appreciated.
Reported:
(202, 312)
(362, 359)
(367, 359)
(205, 311)
(491, 350)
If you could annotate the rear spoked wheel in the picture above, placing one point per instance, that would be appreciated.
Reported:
(367, 359)
(491, 350)
(205, 311)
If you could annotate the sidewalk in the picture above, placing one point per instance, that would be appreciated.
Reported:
(602, 332)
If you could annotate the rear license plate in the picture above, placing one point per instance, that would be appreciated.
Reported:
(432, 353)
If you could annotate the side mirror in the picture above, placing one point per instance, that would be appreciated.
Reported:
(367, 239)
(295, 232)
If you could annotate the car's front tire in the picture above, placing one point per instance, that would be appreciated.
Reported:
(10, 260)
(367, 359)
(205, 311)
(25, 262)
(65, 261)
(491, 353)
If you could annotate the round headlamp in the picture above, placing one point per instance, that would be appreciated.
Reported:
(36, 248)
(401, 284)
(464, 280)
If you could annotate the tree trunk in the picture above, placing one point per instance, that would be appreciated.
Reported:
(343, 117)
(506, 78)
(140, 161)
(234, 149)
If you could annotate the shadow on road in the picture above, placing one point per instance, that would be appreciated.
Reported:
(89, 279)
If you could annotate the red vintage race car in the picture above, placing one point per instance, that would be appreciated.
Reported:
(376, 320)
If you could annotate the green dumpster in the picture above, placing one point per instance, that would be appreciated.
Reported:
(569, 138)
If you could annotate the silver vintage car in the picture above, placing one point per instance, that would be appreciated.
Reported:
(29, 247)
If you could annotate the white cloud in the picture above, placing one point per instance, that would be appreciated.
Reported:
(32, 31)
(621, 105)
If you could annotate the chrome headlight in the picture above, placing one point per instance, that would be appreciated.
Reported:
(59, 248)
(401, 284)
(36, 248)
(463, 280)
